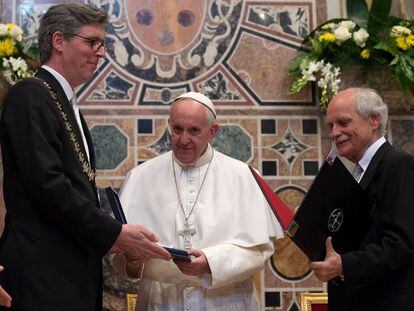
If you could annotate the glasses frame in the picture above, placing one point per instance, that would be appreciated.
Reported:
(99, 45)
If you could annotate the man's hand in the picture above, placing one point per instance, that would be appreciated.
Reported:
(331, 267)
(198, 266)
(139, 243)
(5, 299)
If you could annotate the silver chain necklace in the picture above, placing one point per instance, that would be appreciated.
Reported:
(188, 232)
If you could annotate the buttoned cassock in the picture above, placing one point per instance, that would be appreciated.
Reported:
(234, 228)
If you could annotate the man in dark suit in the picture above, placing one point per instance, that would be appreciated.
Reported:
(379, 275)
(55, 233)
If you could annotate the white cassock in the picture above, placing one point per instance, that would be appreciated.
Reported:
(233, 224)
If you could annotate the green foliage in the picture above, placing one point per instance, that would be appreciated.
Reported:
(378, 15)
(357, 10)
(368, 38)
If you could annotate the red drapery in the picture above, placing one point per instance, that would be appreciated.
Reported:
(319, 307)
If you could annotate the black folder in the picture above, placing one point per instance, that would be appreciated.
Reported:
(335, 205)
(117, 210)
(115, 204)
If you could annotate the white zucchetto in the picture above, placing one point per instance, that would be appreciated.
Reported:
(202, 99)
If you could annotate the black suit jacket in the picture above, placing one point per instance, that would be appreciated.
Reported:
(380, 275)
(55, 233)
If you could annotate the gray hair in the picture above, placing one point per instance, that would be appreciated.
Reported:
(369, 103)
(209, 114)
(66, 18)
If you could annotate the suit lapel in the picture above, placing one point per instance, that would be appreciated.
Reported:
(370, 172)
(88, 141)
(66, 108)
(91, 154)
(66, 105)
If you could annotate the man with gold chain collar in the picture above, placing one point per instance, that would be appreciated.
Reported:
(197, 198)
(55, 232)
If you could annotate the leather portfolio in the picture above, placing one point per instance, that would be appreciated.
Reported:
(115, 204)
(335, 205)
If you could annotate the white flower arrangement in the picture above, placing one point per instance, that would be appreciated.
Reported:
(360, 37)
(342, 34)
(15, 69)
(369, 38)
(333, 38)
(13, 54)
(326, 75)
(398, 31)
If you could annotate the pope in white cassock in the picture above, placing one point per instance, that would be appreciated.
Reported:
(197, 198)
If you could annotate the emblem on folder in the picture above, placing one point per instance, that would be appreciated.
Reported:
(335, 220)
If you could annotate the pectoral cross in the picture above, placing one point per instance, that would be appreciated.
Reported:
(187, 233)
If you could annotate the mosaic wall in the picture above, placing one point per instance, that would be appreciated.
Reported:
(236, 52)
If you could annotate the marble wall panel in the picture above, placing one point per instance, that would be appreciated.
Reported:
(401, 133)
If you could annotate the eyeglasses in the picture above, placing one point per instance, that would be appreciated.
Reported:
(96, 44)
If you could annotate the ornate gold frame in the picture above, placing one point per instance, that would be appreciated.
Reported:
(131, 301)
(308, 299)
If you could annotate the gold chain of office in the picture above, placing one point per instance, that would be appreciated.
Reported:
(86, 168)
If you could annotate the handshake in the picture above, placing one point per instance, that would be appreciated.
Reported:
(139, 243)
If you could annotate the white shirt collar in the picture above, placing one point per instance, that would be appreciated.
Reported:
(63, 82)
(204, 159)
(370, 152)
